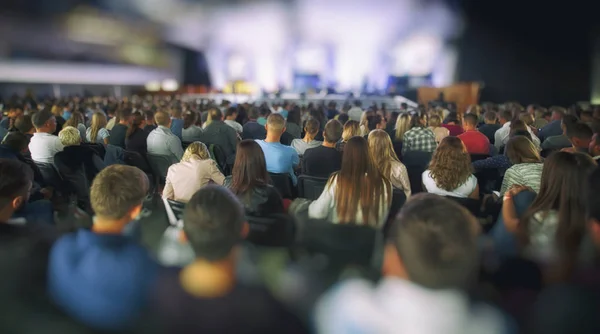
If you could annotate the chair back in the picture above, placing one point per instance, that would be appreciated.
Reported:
(277, 230)
(416, 163)
(477, 157)
(135, 159)
(51, 175)
(471, 204)
(185, 144)
(218, 155)
(160, 164)
(98, 148)
(283, 183)
(311, 187)
(286, 139)
(174, 210)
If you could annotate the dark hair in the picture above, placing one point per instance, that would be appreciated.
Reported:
(490, 116)
(263, 111)
(436, 239)
(40, 118)
(189, 118)
(216, 114)
(213, 222)
(517, 125)
(23, 124)
(520, 149)
(249, 168)
(294, 116)
(123, 113)
(333, 131)
(75, 120)
(523, 133)
(253, 113)
(149, 115)
(231, 111)
(415, 120)
(579, 130)
(16, 141)
(312, 126)
(15, 180)
(506, 115)
(343, 118)
(471, 119)
(592, 198)
(136, 120)
(373, 121)
(568, 120)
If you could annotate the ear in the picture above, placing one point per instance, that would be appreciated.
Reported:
(245, 230)
(135, 211)
(182, 237)
(594, 230)
(392, 263)
(284, 128)
(17, 202)
(266, 127)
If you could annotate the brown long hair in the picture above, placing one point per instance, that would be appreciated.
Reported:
(75, 120)
(520, 149)
(382, 151)
(98, 122)
(359, 183)
(249, 168)
(450, 165)
(189, 118)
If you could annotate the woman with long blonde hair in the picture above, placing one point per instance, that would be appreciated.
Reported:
(385, 159)
(97, 132)
(402, 125)
(450, 172)
(351, 129)
(358, 193)
(440, 132)
(195, 170)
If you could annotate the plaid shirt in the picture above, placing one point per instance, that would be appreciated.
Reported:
(418, 139)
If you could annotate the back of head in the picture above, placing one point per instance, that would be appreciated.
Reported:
(116, 190)
(196, 150)
(470, 120)
(249, 169)
(450, 164)
(40, 118)
(253, 113)
(520, 149)
(417, 120)
(149, 115)
(351, 129)
(231, 111)
(373, 121)
(275, 124)
(506, 115)
(436, 241)
(580, 131)
(15, 182)
(124, 114)
(382, 152)
(213, 223)
(402, 125)
(189, 118)
(24, 124)
(216, 114)
(518, 125)
(343, 118)
(435, 121)
(176, 112)
(312, 126)
(490, 117)
(16, 141)
(69, 136)
(137, 119)
(333, 131)
(162, 118)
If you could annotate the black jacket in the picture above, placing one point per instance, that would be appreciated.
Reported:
(261, 202)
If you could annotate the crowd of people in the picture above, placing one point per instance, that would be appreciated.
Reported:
(483, 221)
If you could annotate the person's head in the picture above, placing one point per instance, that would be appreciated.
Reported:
(189, 118)
(593, 206)
(418, 120)
(294, 116)
(580, 135)
(520, 149)
(351, 129)
(69, 136)
(557, 113)
(333, 131)
(149, 115)
(526, 118)
(75, 119)
(586, 116)
(137, 122)
(435, 121)
(490, 117)
(376, 122)
(214, 223)
(359, 184)
(124, 115)
(433, 243)
(564, 176)
(505, 116)
(216, 115)
(176, 113)
(98, 123)
(450, 164)
(231, 113)
(517, 125)
(275, 125)
(311, 127)
(44, 121)
(402, 125)
(343, 118)
(24, 124)
(15, 185)
(331, 105)
(117, 194)
(566, 122)
(196, 151)
(15, 110)
(253, 114)
(595, 145)
(249, 169)
(474, 110)
(470, 122)
(357, 103)
(382, 151)
(16, 141)
(162, 119)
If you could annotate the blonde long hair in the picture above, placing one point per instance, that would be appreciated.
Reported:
(402, 125)
(196, 150)
(351, 129)
(382, 152)
(98, 122)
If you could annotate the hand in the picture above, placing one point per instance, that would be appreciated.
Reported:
(515, 189)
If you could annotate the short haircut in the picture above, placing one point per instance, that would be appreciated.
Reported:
(149, 114)
(490, 116)
(124, 113)
(213, 221)
(231, 111)
(312, 126)
(580, 130)
(162, 118)
(16, 140)
(253, 113)
(471, 119)
(436, 240)
(216, 114)
(592, 198)
(117, 189)
(276, 122)
(69, 136)
(23, 124)
(40, 118)
(333, 131)
(506, 115)
(15, 181)
(372, 121)
(568, 120)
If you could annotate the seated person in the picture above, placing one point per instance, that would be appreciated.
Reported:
(221, 134)
(311, 128)
(560, 141)
(526, 166)
(191, 132)
(101, 277)
(44, 145)
(490, 125)
(358, 193)
(430, 257)
(324, 160)
(580, 136)
(249, 181)
(205, 296)
(177, 122)
(554, 128)
(519, 125)
(452, 123)
(161, 141)
(280, 158)
(230, 119)
(595, 147)
(195, 171)
(25, 126)
(97, 132)
(439, 131)
(450, 172)
(136, 138)
(14, 146)
(253, 129)
(118, 133)
(385, 159)
(418, 137)
(475, 141)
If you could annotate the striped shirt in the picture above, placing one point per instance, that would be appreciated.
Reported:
(526, 174)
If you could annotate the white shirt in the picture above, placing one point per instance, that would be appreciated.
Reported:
(399, 306)
(235, 125)
(355, 113)
(43, 147)
(502, 134)
(161, 141)
(463, 191)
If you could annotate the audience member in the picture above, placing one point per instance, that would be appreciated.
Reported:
(560, 141)
(161, 141)
(520, 126)
(490, 125)
(24, 125)
(430, 258)
(475, 141)
(44, 145)
(343, 118)
(450, 172)
(136, 137)
(195, 171)
(526, 164)
(101, 277)
(150, 123)
(118, 134)
(435, 123)
(355, 113)
(249, 181)
(220, 134)
(14, 111)
(418, 138)
(325, 159)
(252, 129)
(504, 119)
(376, 122)
(332, 110)
(230, 116)
(580, 135)
(14, 146)
(191, 132)
(57, 111)
(311, 128)
(554, 128)
(76, 120)
(452, 123)
(385, 159)
(358, 193)
(263, 113)
(351, 129)
(97, 132)
(293, 121)
(177, 122)
(280, 158)
(594, 148)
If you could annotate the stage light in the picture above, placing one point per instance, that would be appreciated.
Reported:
(170, 85)
(152, 86)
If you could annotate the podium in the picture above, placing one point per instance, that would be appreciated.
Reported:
(462, 94)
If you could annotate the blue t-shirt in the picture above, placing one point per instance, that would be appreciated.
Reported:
(177, 127)
(280, 158)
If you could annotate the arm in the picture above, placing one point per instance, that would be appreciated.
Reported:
(106, 141)
(400, 179)
(320, 208)
(175, 147)
(215, 174)
(295, 158)
(498, 139)
(509, 214)
(168, 192)
(475, 193)
(509, 179)
(233, 140)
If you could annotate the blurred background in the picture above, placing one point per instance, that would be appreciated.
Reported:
(531, 52)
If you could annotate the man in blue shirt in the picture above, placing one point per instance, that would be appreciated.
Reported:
(177, 123)
(100, 276)
(279, 158)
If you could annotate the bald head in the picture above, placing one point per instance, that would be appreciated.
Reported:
(162, 118)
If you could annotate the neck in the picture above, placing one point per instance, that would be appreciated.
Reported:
(273, 137)
(328, 144)
(104, 225)
(209, 279)
(124, 122)
(308, 138)
(6, 213)
(42, 131)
